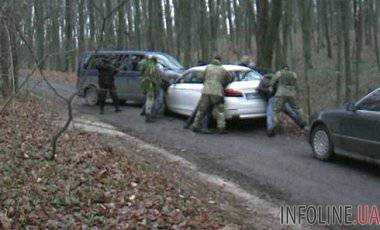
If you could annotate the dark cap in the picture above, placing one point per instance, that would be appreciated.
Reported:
(218, 57)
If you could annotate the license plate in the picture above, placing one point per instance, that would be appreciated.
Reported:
(252, 96)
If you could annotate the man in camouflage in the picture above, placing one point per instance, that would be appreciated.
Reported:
(215, 79)
(151, 83)
(106, 82)
(284, 99)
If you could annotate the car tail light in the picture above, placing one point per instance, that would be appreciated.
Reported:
(232, 93)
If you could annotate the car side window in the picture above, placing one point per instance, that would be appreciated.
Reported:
(371, 102)
(124, 63)
(135, 59)
(193, 78)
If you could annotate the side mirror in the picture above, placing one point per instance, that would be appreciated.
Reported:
(350, 106)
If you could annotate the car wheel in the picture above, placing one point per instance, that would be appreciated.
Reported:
(91, 96)
(321, 143)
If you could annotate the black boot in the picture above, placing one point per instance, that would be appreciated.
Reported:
(187, 124)
(148, 118)
(271, 133)
(221, 131)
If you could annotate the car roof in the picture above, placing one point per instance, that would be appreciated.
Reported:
(226, 67)
(140, 52)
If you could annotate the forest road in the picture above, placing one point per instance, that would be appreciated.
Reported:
(279, 169)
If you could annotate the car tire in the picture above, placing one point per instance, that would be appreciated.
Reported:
(320, 139)
(91, 96)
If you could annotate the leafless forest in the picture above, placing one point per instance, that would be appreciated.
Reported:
(333, 45)
(48, 169)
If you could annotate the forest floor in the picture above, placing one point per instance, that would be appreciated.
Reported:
(100, 180)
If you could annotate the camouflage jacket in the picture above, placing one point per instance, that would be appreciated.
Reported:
(215, 78)
(150, 76)
(107, 72)
(286, 83)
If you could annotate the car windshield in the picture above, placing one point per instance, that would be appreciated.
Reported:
(247, 76)
(169, 61)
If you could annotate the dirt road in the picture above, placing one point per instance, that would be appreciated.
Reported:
(279, 169)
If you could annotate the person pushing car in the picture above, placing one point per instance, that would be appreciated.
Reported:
(215, 79)
(284, 99)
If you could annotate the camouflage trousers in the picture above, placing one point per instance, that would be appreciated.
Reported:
(102, 95)
(210, 103)
(289, 107)
(149, 103)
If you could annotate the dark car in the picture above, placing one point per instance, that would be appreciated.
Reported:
(353, 130)
(128, 79)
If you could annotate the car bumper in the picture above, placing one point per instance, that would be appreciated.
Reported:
(241, 108)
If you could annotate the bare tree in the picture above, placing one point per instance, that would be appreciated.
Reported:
(305, 14)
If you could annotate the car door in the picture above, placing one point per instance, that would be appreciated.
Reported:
(360, 128)
(183, 96)
(121, 78)
(131, 79)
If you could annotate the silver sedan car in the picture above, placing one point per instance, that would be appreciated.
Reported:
(241, 97)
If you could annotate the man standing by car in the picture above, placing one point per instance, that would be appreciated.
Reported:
(267, 91)
(106, 82)
(215, 79)
(151, 83)
(284, 100)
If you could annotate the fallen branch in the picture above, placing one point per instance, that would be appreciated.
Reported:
(54, 140)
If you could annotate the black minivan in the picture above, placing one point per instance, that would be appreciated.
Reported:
(128, 80)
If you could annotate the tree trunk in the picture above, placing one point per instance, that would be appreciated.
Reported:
(325, 21)
(249, 23)
(305, 7)
(137, 23)
(214, 24)
(338, 53)
(121, 27)
(4, 62)
(186, 7)
(279, 56)
(110, 29)
(376, 31)
(40, 30)
(358, 42)
(81, 13)
(55, 39)
(91, 15)
(286, 26)
(203, 31)
(28, 30)
(368, 22)
(178, 26)
(344, 7)
(230, 22)
(169, 26)
(68, 36)
(267, 32)
(130, 32)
